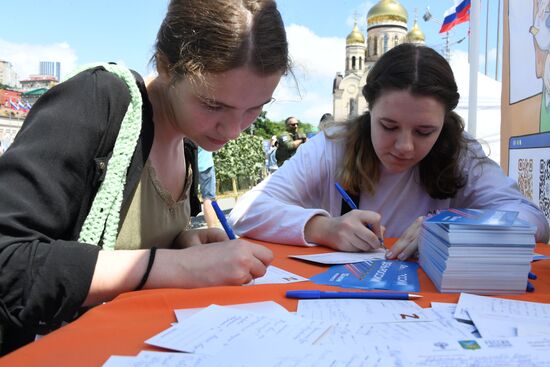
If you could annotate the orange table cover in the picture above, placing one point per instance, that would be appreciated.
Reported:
(121, 326)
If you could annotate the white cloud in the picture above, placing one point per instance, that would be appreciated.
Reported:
(312, 55)
(25, 58)
(316, 60)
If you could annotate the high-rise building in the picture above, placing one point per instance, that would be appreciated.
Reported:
(51, 68)
(8, 76)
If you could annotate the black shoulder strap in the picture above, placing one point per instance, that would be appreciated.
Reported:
(345, 207)
(191, 156)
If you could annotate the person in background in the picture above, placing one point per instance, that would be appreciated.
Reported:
(86, 212)
(325, 121)
(271, 155)
(404, 158)
(207, 185)
(289, 141)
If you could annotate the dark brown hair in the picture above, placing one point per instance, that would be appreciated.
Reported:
(423, 72)
(199, 37)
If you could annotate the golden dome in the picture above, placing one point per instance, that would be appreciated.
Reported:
(415, 34)
(387, 10)
(355, 36)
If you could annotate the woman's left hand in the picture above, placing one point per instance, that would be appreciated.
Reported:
(407, 245)
(193, 237)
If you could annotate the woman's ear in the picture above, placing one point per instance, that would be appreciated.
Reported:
(163, 69)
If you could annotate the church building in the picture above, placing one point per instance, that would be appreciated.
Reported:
(386, 28)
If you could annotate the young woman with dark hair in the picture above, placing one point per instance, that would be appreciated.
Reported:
(100, 164)
(404, 158)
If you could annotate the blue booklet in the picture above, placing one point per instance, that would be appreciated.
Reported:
(372, 274)
(474, 217)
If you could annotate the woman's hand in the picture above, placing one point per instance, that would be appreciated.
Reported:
(233, 262)
(346, 233)
(407, 245)
(195, 237)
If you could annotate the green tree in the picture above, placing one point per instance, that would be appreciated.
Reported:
(264, 127)
(242, 158)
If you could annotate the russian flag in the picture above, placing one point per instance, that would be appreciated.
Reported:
(14, 106)
(457, 14)
(22, 106)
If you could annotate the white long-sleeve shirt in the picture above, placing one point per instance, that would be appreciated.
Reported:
(277, 209)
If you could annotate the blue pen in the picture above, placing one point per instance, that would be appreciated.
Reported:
(315, 294)
(223, 221)
(352, 205)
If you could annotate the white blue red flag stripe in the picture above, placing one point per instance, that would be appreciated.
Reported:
(14, 106)
(457, 14)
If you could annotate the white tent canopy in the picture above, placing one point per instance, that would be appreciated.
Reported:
(488, 105)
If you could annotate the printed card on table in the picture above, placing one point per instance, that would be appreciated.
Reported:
(373, 274)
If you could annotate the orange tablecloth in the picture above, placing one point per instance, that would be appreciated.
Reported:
(121, 326)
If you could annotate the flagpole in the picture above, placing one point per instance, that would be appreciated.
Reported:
(498, 40)
(474, 66)
(486, 35)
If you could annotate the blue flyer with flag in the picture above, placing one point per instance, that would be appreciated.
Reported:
(372, 274)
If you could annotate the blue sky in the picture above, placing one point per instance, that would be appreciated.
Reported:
(77, 32)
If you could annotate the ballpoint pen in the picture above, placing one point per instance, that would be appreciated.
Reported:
(316, 294)
(530, 287)
(223, 221)
(226, 227)
(352, 205)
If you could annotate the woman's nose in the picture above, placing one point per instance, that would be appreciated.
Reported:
(404, 142)
(233, 126)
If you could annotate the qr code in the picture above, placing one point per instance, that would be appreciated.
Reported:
(544, 187)
(525, 177)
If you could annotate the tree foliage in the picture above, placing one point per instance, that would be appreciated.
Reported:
(243, 157)
(266, 128)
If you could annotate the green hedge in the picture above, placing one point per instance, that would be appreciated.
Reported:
(240, 161)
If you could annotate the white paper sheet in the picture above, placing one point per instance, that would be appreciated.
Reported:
(320, 356)
(533, 330)
(169, 359)
(492, 325)
(120, 361)
(509, 352)
(275, 275)
(268, 308)
(218, 328)
(304, 356)
(500, 306)
(361, 310)
(349, 334)
(333, 258)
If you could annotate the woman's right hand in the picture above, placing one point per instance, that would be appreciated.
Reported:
(233, 262)
(346, 233)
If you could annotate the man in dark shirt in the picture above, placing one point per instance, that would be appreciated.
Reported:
(289, 141)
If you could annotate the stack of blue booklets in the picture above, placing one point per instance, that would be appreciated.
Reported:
(477, 251)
